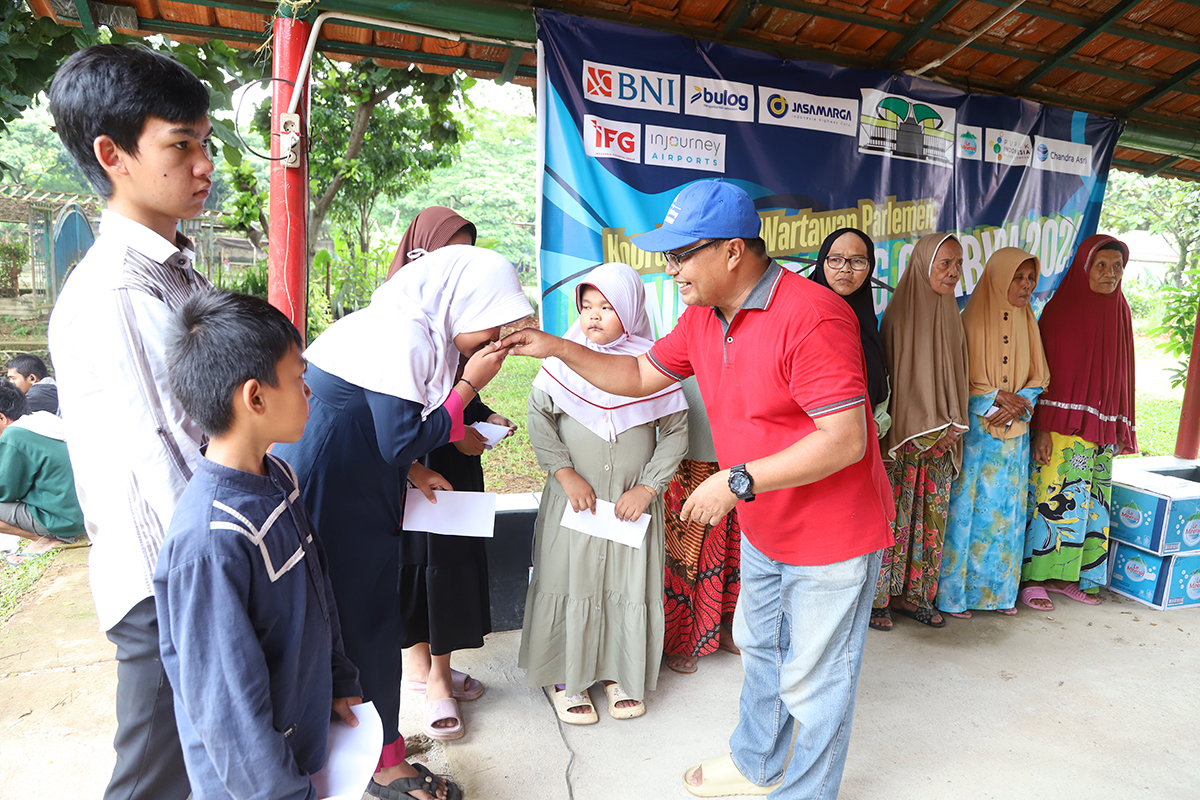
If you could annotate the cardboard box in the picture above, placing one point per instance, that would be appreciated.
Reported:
(1163, 582)
(1156, 508)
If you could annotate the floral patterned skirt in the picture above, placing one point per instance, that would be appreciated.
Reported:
(921, 485)
(1069, 499)
(703, 573)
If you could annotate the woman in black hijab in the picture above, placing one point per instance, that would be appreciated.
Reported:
(845, 265)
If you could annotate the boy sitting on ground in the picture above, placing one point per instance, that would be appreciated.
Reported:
(37, 487)
(248, 628)
(29, 374)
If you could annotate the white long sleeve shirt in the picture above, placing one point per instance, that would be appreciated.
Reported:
(132, 446)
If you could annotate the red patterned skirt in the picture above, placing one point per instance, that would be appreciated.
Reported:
(703, 572)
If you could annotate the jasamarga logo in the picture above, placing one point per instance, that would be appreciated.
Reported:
(631, 88)
(685, 149)
(810, 111)
(718, 99)
(1007, 147)
(606, 138)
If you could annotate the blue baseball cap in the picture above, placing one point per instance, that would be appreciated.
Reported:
(704, 210)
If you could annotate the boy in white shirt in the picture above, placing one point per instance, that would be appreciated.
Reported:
(136, 124)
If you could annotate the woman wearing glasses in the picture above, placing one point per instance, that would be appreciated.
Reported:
(926, 352)
(845, 265)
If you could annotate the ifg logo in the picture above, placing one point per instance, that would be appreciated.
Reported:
(607, 138)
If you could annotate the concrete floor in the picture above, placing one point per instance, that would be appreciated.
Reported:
(1081, 702)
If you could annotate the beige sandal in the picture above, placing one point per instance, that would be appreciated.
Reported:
(615, 695)
(563, 703)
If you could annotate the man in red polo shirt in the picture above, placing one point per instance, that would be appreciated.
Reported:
(780, 366)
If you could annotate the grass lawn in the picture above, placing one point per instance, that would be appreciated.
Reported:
(16, 579)
(1158, 405)
(512, 467)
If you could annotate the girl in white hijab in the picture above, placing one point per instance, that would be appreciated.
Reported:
(594, 611)
(384, 393)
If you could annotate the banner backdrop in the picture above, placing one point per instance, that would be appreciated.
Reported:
(629, 116)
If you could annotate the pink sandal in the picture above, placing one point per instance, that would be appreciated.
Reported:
(1036, 593)
(958, 614)
(1075, 593)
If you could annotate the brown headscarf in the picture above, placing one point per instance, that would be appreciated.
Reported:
(926, 353)
(1004, 346)
(431, 229)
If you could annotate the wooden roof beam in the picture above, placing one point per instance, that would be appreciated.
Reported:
(1086, 35)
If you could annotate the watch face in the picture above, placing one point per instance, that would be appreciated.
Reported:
(739, 482)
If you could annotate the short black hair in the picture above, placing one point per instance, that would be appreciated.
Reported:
(111, 89)
(12, 401)
(757, 246)
(217, 342)
(28, 364)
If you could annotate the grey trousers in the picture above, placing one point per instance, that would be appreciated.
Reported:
(149, 758)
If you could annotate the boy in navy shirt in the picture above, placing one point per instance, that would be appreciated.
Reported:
(248, 628)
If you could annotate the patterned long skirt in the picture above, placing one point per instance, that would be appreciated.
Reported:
(921, 485)
(1069, 501)
(703, 573)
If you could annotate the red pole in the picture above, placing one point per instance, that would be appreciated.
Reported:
(1187, 442)
(287, 270)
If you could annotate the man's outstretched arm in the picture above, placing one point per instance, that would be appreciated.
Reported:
(617, 374)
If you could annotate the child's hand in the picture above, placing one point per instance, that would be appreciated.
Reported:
(473, 442)
(427, 480)
(634, 503)
(531, 342)
(341, 708)
(496, 419)
(484, 365)
(579, 491)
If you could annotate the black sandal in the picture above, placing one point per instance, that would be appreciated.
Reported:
(923, 616)
(401, 788)
(880, 613)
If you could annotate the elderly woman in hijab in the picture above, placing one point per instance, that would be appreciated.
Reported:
(386, 391)
(845, 264)
(1083, 420)
(445, 604)
(981, 558)
(926, 352)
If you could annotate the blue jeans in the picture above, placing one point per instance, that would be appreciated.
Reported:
(801, 631)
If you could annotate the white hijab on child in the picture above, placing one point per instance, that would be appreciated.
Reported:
(608, 415)
(402, 344)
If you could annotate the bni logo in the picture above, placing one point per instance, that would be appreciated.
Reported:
(606, 138)
(631, 88)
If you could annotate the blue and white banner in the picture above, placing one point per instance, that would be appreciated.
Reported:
(629, 116)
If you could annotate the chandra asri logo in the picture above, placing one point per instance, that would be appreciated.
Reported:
(1043, 152)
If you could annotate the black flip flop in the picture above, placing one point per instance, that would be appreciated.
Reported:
(880, 613)
(403, 787)
(922, 615)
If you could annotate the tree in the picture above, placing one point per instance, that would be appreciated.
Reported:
(35, 157)
(1161, 205)
(31, 48)
(374, 132)
(492, 184)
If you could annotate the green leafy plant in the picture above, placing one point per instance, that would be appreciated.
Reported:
(1179, 322)
(14, 256)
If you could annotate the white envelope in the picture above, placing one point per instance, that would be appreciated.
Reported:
(353, 756)
(455, 513)
(604, 524)
(492, 433)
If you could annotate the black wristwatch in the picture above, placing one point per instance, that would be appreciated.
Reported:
(741, 484)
